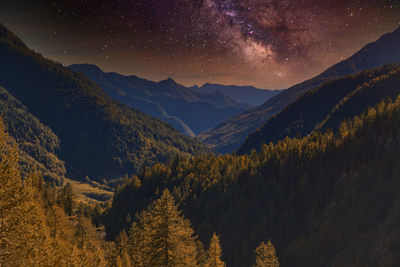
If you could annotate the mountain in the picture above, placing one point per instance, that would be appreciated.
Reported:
(230, 134)
(327, 106)
(246, 94)
(99, 137)
(188, 111)
(324, 200)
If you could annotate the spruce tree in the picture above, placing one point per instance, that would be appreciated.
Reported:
(214, 253)
(163, 237)
(266, 255)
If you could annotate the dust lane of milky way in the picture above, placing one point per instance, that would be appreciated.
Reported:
(270, 44)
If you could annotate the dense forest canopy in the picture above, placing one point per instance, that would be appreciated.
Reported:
(317, 198)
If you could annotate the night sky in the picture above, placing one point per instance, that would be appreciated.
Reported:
(266, 43)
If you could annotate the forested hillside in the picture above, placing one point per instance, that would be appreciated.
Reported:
(40, 224)
(327, 106)
(38, 144)
(323, 200)
(229, 135)
(99, 136)
(43, 225)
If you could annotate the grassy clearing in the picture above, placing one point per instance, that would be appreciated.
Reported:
(88, 193)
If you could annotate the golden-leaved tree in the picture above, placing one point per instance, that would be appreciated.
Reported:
(162, 237)
(214, 253)
(266, 255)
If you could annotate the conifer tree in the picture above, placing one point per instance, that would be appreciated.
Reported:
(163, 237)
(266, 255)
(66, 199)
(135, 243)
(214, 253)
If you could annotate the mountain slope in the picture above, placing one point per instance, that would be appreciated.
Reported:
(229, 135)
(324, 200)
(99, 136)
(246, 94)
(327, 106)
(38, 144)
(188, 111)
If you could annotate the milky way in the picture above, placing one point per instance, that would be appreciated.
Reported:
(271, 44)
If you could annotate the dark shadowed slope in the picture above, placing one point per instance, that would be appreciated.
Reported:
(327, 106)
(188, 111)
(229, 135)
(99, 136)
(38, 144)
(246, 94)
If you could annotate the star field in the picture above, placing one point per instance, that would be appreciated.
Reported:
(267, 43)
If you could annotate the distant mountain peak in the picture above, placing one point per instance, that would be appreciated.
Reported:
(168, 81)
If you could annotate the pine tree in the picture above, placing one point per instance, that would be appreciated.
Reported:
(163, 237)
(135, 243)
(266, 255)
(214, 253)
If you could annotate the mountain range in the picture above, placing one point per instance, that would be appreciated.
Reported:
(327, 106)
(189, 111)
(230, 134)
(99, 137)
(246, 94)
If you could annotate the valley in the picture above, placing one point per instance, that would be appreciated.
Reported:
(136, 133)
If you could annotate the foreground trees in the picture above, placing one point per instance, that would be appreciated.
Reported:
(34, 231)
(162, 237)
(24, 238)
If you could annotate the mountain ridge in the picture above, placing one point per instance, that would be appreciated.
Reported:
(325, 107)
(230, 134)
